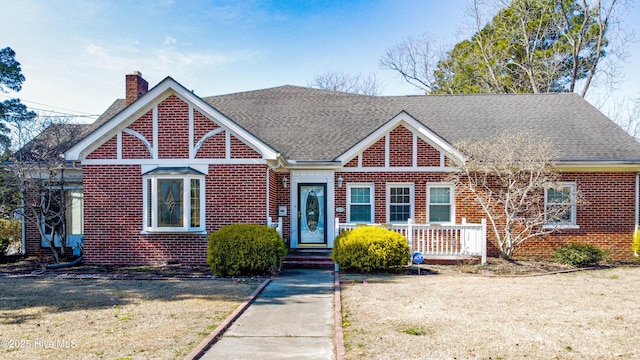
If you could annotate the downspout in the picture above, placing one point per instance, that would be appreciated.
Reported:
(636, 207)
(270, 168)
(24, 229)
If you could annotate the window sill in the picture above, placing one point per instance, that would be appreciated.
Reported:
(562, 227)
(195, 232)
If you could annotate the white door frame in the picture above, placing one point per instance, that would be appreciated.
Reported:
(319, 177)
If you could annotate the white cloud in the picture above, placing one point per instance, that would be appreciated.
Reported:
(168, 40)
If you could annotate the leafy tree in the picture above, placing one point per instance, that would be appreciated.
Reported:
(529, 46)
(507, 176)
(339, 81)
(12, 111)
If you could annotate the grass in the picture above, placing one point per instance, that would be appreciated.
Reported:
(112, 319)
(581, 315)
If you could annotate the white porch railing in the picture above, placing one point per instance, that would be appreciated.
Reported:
(438, 240)
(275, 225)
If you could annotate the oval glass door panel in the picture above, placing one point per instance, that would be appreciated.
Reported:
(313, 211)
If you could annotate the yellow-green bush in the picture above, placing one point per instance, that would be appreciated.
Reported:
(245, 249)
(10, 232)
(370, 249)
(636, 244)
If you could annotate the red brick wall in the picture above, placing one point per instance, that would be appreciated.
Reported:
(134, 148)
(144, 126)
(605, 217)
(282, 199)
(113, 214)
(427, 154)
(108, 150)
(240, 150)
(400, 147)
(374, 155)
(173, 125)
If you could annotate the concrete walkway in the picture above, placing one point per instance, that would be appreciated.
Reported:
(293, 318)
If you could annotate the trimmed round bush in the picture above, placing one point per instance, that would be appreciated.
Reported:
(579, 255)
(245, 249)
(635, 246)
(370, 249)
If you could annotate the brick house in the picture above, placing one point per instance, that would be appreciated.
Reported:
(161, 169)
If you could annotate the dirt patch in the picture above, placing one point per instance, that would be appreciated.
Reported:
(90, 313)
(449, 315)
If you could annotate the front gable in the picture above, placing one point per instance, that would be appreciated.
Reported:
(170, 123)
(402, 144)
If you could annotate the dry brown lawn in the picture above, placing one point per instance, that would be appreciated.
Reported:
(54, 318)
(581, 315)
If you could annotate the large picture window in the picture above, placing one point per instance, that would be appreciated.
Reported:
(399, 202)
(440, 207)
(560, 205)
(173, 202)
(360, 203)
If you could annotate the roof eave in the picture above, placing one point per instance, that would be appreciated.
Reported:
(599, 165)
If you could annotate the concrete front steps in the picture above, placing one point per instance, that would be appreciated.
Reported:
(308, 259)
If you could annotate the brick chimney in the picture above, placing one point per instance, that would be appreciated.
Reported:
(136, 87)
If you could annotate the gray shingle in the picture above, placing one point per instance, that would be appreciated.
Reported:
(312, 124)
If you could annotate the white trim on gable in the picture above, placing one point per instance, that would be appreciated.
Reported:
(413, 125)
(150, 100)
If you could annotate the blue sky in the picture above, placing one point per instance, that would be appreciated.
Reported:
(75, 54)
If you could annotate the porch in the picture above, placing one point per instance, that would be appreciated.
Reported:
(438, 243)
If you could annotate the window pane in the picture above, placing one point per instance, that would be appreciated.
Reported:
(360, 213)
(439, 213)
(440, 195)
(360, 195)
(399, 212)
(195, 203)
(555, 196)
(170, 204)
(75, 208)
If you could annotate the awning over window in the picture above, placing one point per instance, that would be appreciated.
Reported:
(178, 170)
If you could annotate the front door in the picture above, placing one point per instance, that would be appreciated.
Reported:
(312, 214)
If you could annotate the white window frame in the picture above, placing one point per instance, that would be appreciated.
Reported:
(412, 200)
(186, 201)
(452, 202)
(72, 240)
(572, 224)
(372, 197)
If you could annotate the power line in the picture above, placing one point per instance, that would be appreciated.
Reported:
(73, 113)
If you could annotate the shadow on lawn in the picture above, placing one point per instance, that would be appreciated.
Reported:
(62, 295)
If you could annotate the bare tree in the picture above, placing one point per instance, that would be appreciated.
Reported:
(415, 59)
(40, 173)
(339, 81)
(626, 113)
(507, 176)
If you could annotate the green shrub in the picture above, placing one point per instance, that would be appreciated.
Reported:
(636, 244)
(370, 249)
(245, 249)
(10, 232)
(579, 255)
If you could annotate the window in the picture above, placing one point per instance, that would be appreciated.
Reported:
(440, 207)
(72, 217)
(560, 205)
(173, 200)
(399, 202)
(360, 203)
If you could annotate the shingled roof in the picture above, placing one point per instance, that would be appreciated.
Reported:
(311, 124)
